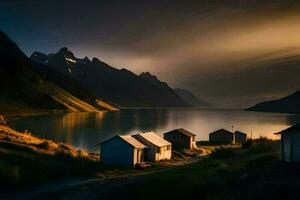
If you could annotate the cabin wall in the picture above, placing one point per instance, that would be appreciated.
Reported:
(164, 153)
(193, 144)
(286, 147)
(138, 156)
(118, 152)
(150, 152)
(179, 140)
(290, 147)
(240, 138)
(296, 147)
(221, 138)
(154, 153)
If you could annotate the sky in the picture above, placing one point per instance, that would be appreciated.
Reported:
(179, 41)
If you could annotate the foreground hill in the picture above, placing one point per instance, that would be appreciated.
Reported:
(24, 90)
(254, 170)
(27, 160)
(190, 98)
(289, 104)
(113, 85)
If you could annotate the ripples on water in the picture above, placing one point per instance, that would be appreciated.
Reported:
(84, 130)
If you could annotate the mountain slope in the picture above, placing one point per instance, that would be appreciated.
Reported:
(24, 90)
(190, 98)
(289, 104)
(112, 85)
(147, 76)
(72, 86)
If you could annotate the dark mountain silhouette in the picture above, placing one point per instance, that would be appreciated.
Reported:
(113, 85)
(168, 91)
(190, 98)
(153, 79)
(289, 104)
(23, 89)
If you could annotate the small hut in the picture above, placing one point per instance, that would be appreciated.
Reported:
(181, 138)
(158, 148)
(290, 144)
(221, 136)
(122, 150)
(240, 137)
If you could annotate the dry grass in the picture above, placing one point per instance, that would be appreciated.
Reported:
(29, 160)
(44, 146)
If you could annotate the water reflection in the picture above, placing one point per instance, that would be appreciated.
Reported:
(84, 130)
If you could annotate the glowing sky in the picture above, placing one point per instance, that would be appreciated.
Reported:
(188, 38)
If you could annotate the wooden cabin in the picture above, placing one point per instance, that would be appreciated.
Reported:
(240, 137)
(290, 144)
(122, 150)
(181, 138)
(158, 148)
(221, 136)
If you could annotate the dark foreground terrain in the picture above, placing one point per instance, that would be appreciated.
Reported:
(251, 172)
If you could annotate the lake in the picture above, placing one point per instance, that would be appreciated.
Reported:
(85, 130)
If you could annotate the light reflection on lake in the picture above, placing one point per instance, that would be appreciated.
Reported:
(84, 130)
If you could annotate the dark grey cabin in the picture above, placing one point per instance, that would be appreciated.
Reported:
(181, 138)
(290, 144)
(221, 136)
(240, 137)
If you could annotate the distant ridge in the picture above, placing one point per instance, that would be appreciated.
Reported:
(288, 104)
(121, 87)
(190, 98)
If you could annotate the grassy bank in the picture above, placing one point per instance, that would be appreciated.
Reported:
(247, 173)
(26, 159)
(253, 171)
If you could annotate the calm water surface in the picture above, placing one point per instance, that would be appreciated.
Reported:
(84, 130)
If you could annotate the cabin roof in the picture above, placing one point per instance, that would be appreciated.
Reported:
(223, 131)
(129, 139)
(183, 131)
(154, 139)
(134, 142)
(290, 129)
(239, 132)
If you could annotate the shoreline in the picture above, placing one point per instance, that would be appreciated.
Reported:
(24, 147)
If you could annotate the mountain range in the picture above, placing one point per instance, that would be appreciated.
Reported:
(25, 90)
(61, 81)
(116, 86)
